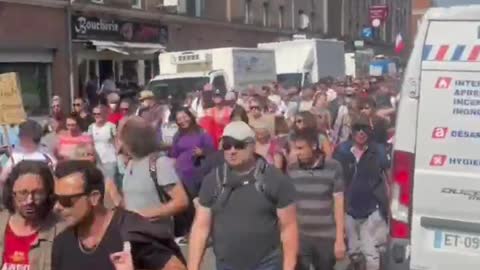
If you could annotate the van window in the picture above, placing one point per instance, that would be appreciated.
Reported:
(219, 83)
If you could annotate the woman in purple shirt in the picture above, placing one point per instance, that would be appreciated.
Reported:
(190, 146)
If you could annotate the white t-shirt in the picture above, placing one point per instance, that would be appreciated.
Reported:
(103, 138)
(18, 156)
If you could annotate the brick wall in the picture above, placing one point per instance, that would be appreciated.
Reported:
(33, 27)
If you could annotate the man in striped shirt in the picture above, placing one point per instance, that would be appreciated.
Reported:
(320, 207)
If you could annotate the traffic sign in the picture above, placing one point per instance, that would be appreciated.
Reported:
(367, 32)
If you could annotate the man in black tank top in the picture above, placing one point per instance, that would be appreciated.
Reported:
(96, 232)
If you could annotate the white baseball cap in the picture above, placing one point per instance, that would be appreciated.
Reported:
(239, 130)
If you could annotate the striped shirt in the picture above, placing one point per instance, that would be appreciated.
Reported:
(315, 189)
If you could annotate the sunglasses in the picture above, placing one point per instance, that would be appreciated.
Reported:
(96, 114)
(68, 201)
(364, 128)
(254, 108)
(228, 143)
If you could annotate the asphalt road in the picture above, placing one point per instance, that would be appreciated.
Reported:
(209, 260)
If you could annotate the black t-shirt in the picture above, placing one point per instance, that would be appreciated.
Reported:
(68, 255)
(246, 229)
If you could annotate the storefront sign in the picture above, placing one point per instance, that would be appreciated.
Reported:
(11, 104)
(93, 28)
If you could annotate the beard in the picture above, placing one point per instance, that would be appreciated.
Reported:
(31, 211)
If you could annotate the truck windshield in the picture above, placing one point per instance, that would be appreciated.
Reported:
(288, 80)
(177, 88)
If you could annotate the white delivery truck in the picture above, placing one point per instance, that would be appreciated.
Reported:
(304, 61)
(226, 68)
(435, 189)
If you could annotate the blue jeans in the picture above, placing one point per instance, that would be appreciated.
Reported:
(273, 261)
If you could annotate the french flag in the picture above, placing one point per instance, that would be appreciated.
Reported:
(399, 44)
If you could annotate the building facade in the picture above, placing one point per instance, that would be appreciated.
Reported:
(356, 17)
(34, 43)
(419, 7)
(55, 45)
(122, 38)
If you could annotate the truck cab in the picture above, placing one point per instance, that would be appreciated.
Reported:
(225, 68)
(178, 85)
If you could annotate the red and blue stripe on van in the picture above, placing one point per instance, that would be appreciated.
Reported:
(451, 53)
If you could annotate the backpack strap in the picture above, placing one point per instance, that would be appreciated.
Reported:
(48, 160)
(152, 168)
(223, 190)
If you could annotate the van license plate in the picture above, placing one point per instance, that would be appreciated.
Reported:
(456, 241)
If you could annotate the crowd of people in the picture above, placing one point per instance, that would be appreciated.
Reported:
(271, 178)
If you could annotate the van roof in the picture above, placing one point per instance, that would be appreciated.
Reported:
(466, 12)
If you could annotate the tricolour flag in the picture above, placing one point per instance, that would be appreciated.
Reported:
(399, 44)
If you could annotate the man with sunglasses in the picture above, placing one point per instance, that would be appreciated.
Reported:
(95, 232)
(248, 208)
(364, 164)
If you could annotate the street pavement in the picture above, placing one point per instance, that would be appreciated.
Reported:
(209, 260)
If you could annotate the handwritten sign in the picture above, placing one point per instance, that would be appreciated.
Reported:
(11, 104)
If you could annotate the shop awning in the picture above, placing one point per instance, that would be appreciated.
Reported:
(128, 48)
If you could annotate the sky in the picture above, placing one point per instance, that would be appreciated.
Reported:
(447, 3)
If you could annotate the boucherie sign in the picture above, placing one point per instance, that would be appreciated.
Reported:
(94, 28)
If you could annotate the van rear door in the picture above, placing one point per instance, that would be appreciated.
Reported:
(446, 189)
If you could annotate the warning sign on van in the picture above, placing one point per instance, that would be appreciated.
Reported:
(442, 160)
(443, 132)
(439, 133)
(443, 83)
(438, 160)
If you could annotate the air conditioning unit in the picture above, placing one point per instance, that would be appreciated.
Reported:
(179, 6)
(191, 58)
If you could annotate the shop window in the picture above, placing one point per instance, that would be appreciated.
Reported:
(35, 82)
(136, 4)
(130, 71)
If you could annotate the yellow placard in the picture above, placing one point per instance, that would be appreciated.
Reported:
(11, 104)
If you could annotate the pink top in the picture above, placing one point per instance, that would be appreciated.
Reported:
(67, 144)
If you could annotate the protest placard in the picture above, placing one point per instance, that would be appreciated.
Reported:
(11, 104)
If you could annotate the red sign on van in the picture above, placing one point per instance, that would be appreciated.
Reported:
(443, 83)
(438, 160)
(439, 133)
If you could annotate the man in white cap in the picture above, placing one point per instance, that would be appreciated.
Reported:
(248, 207)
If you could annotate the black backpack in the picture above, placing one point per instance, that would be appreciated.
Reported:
(224, 190)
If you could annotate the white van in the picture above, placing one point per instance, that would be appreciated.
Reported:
(436, 160)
